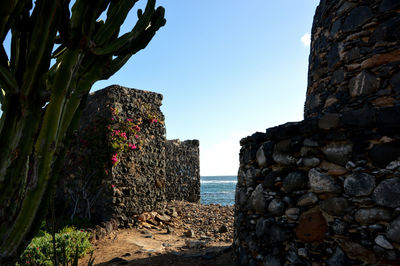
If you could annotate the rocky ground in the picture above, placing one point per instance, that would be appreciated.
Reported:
(183, 234)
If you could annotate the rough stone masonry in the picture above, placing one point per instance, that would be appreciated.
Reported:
(326, 190)
(110, 189)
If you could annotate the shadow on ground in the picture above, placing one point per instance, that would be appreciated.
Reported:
(218, 256)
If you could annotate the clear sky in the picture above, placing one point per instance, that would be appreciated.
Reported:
(226, 68)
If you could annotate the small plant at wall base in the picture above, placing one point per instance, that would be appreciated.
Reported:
(69, 243)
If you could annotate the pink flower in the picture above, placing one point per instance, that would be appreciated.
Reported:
(112, 119)
(123, 134)
(113, 186)
(132, 146)
(114, 158)
(116, 132)
(136, 136)
(153, 120)
(129, 120)
(137, 128)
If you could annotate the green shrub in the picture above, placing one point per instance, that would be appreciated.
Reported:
(68, 242)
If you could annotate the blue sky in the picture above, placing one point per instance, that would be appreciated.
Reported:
(226, 68)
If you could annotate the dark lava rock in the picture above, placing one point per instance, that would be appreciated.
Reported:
(389, 116)
(387, 193)
(329, 121)
(258, 137)
(223, 229)
(339, 227)
(295, 181)
(271, 260)
(360, 117)
(387, 31)
(322, 183)
(372, 215)
(278, 234)
(387, 5)
(364, 83)
(336, 206)
(395, 81)
(269, 179)
(338, 258)
(382, 154)
(276, 207)
(261, 227)
(358, 16)
(393, 232)
(359, 184)
(307, 199)
(339, 153)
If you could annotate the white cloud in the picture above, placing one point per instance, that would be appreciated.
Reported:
(306, 39)
(221, 158)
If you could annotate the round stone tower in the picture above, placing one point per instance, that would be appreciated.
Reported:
(355, 56)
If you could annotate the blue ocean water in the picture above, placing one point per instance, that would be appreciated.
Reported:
(218, 189)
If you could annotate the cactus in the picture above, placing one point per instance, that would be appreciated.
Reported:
(41, 102)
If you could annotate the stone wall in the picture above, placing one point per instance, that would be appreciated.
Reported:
(116, 167)
(326, 190)
(355, 56)
(183, 170)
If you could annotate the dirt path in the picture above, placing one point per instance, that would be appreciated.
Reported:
(187, 239)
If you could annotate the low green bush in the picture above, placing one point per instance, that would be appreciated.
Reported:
(68, 242)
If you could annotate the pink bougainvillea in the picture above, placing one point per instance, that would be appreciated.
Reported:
(132, 146)
(114, 158)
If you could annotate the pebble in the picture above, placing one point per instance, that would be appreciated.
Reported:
(393, 232)
(276, 207)
(387, 193)
(383, 242)
(307, 199)
(372, 215)
(359, 184)
(321, 182)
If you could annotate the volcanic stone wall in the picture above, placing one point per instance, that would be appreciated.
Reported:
(116, 166)
(326, 190)
(355, 56)
(183, 170)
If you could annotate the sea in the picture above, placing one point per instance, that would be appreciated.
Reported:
(218, 190)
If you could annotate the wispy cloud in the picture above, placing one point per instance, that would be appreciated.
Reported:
(306, 39)
(221, 158)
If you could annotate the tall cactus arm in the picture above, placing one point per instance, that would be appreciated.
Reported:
(135, 45)
(131, 36)
(41, 43)
(6, 8)
(65, 25)
(83, 18)
(116, 15)
(2, 97)
(3, 57)
(7, 81)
